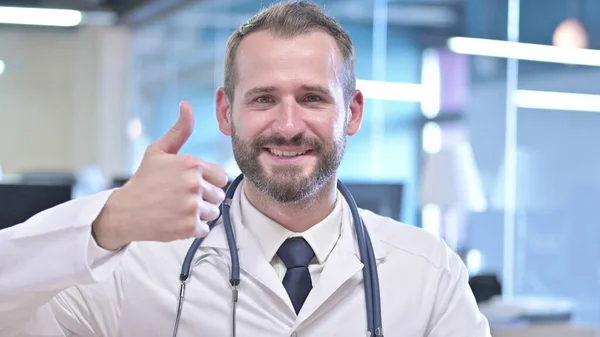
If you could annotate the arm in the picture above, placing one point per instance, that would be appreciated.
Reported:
(455, 313)
(44, 258)
(53, 277)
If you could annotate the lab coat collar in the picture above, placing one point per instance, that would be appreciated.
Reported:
(342, 264)
(321, 237)
(348, 241)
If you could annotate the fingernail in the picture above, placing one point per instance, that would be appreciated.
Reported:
(202, 229)
(216, 211)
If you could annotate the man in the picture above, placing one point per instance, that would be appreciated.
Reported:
(108, 265)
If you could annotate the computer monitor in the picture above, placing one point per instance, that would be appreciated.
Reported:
(47, 178)
(384, 199)
(19, 202)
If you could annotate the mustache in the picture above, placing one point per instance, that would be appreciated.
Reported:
(299, 140)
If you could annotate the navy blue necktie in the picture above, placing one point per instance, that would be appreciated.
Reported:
(296, 255)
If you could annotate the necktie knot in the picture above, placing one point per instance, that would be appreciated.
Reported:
(295, 252)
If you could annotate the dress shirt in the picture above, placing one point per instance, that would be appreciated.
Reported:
(321, 237)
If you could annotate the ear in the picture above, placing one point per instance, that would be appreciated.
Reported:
(223, 112)
(356, 113)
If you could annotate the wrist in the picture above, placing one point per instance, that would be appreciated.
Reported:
(106, 229)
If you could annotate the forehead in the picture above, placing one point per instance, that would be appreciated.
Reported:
(265, 59)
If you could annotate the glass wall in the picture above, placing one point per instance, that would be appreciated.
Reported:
(533, 124)
(558, 188)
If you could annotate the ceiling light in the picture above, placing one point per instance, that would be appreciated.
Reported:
(524, 51)
(548, 100)
(570, 34)
(391, 91)
(40, 16)
(527, 99)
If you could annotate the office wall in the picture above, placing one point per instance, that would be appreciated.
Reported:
(63, 98)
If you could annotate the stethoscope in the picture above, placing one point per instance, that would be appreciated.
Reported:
(371, 279)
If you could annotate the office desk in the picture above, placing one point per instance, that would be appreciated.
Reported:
(544, 330)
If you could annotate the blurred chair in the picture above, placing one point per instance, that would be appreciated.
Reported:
(485, 287)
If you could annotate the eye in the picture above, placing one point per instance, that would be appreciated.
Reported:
(312, 98)
(263, 99)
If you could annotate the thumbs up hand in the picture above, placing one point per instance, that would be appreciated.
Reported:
(170, 197)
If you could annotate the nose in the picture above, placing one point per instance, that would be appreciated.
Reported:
(289, 121)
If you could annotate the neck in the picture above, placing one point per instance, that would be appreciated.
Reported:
(296, 217)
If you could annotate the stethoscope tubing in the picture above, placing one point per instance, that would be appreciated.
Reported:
(364, 255)
(367, 256)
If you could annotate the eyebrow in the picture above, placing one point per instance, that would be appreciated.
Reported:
(262, 90)
(317, 88)
(258, 90)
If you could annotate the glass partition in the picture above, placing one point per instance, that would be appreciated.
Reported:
(533, 124)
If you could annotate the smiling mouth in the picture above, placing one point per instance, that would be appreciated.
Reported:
(287, 154)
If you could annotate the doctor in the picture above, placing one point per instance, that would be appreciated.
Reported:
(108, 265)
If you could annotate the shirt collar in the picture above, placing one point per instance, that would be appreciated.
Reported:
(321, 237)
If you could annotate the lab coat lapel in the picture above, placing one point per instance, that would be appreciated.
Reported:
(251, 256)
(253, 262)
(342, 264)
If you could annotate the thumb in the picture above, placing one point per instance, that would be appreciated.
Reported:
(172, 141)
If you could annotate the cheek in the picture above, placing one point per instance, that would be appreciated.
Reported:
(326, 131)
(248, 127)
(337, 126)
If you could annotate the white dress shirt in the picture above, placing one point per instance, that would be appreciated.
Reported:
(321, 237)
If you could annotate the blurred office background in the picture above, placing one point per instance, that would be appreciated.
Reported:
(481, 122)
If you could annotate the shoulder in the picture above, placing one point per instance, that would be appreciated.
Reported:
(409, 241)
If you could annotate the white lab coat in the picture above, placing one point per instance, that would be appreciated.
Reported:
(53, 283)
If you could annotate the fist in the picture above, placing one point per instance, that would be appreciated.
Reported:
(170, 197)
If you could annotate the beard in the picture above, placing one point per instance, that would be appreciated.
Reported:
(288, 184)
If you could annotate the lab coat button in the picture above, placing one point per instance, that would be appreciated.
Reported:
(294, 334)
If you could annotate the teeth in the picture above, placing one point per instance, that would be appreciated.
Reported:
(285, 153)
